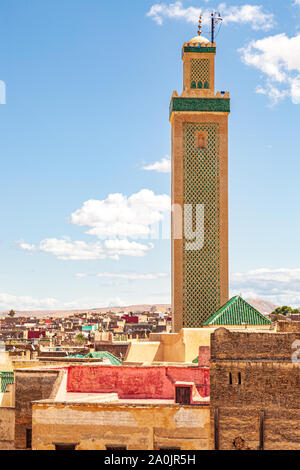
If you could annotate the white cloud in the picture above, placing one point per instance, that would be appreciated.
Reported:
(25, 246)
(297, 2)
(280, 286)
(274, 94)
(116, 248)
(8, 301)
(159, 11)
(243, 14)
(133, 276)
(116, 302)
(119, 216)
(114, 219)
(81, 275)
(248, 14)
(278, 58)
(163, 166)
(25, 303)
(66, 249)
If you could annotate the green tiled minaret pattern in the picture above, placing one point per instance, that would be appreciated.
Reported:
(201, 267)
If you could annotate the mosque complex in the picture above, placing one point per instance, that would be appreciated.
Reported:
(199, 194)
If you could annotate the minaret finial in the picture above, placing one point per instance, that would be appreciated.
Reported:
(199, 25)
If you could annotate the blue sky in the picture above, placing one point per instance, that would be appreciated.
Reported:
(88, 85)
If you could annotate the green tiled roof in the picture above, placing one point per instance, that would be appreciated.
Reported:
(99, 355)
(237, 312)
(107, 355)
(5, 379)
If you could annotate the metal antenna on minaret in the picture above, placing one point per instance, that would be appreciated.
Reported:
(200, 25)
(215, 20)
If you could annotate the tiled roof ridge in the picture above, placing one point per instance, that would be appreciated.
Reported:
(234, 300)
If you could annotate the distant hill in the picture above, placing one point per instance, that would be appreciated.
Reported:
(65, 313)
(261, 305)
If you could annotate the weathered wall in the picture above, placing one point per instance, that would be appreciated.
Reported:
(263, 384)
(118, 350)
(138, 427)
(288, 326)
(281, 428)
(30, 385)
(204, 356)
(234, 345)
(136, 382)
(254, 391)
(7, 428)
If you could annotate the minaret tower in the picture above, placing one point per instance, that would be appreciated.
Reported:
(199, 120)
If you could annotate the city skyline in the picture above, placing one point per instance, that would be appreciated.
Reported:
(86, 144)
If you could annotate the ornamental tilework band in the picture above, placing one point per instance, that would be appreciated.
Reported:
(201, 267)
(199, 49)
(217, 105)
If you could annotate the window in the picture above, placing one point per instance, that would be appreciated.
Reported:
(200, 140)
(28, 438)
(230, 378)
(193, 84)
(239, 378)
(183, 395)
(65, 446)
(116, 447)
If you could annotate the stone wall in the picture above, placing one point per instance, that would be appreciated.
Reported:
(30, 385)
(255, 400)
(137, 427)
(7, 428)
(288, 326)
(233, 345)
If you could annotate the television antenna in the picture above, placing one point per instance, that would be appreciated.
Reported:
(216, 20)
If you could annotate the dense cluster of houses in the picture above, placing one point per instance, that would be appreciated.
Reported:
(81, 331)
(93, 381)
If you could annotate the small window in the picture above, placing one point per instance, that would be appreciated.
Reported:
(193, 84)
(230, 378)
(206, 84)
(116, 448)
(239, 378)
(200, 138)
(200, 84)
(28, 438)
(183, 395)
(65, 446)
